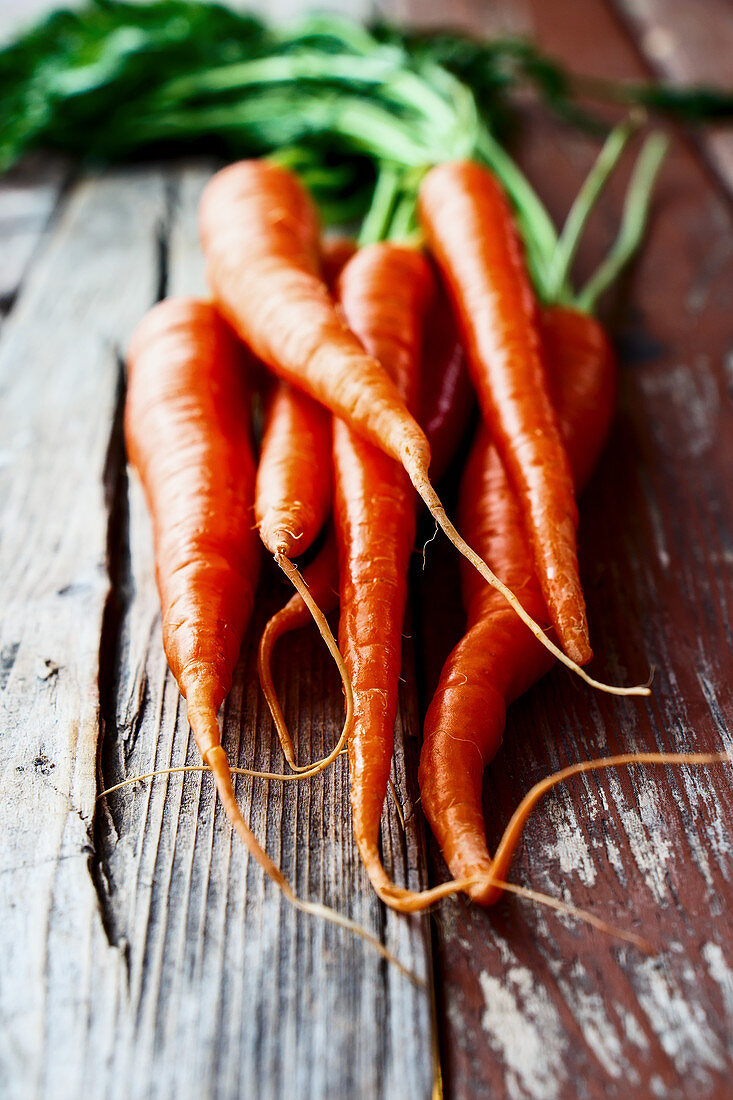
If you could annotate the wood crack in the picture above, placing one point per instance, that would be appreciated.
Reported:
(105, 833)
(117, 739)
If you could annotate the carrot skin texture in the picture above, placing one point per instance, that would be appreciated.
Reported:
(498, 658)
(293, 486)
(384, 291)
(471, 233)
(187, 419)
(259, 231)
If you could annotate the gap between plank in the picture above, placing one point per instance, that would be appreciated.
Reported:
(120, 594)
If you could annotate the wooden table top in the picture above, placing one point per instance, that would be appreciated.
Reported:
(141, 954)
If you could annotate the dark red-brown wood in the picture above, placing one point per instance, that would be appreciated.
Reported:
(532, 1005)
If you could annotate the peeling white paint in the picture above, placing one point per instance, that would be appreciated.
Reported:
(524, 1028)
(645, 829)
(693, 391)
(658, 1087)
(570, 848)
(614, 858)
(711, 698)
(707, 813)
(598, 1031)
(722, 975)
(678, 1022)
(660, 541)
(632, 1027)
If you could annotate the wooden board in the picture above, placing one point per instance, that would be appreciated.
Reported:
(141, 954)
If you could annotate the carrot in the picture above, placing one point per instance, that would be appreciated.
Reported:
(335, 254)
(498, 659)
(259, 231)
(187, 420)
(294, 484)
(384, 292)
(471, 233)
(292, 500)
(293, 487)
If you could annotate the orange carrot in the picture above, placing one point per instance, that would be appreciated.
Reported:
(293, 487)
(187, 421)
(471, 233)
(292, 500)
(384, 291)
(293, 490)
(259, 230)
(498, 659)
(335, 254)
(260, 234)
(187, 431)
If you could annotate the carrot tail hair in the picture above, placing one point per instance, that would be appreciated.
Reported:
(265, 652)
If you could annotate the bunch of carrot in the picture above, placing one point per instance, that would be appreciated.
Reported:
(370, 352)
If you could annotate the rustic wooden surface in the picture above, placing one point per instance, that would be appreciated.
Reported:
(141, 954)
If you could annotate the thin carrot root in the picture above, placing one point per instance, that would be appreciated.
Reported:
(397, 805)
(216, 758)
(216, 762)
(268, 687)
(278, 777)
(418, 473)
(410, 901)
(510, 839)
(399, 899)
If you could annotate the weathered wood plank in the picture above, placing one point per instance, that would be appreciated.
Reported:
(229, 988)
(59, 978)
(535, 1006)
(687, 43)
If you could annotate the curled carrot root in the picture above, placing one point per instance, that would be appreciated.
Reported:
(401, 900)
(406, 901)
(268, 688)
(410, 901)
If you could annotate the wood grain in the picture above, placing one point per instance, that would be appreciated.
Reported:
(29, 195)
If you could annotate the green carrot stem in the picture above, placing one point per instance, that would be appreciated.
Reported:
(386, 189)
(633, 221)
(403, 226)
(585, 200)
